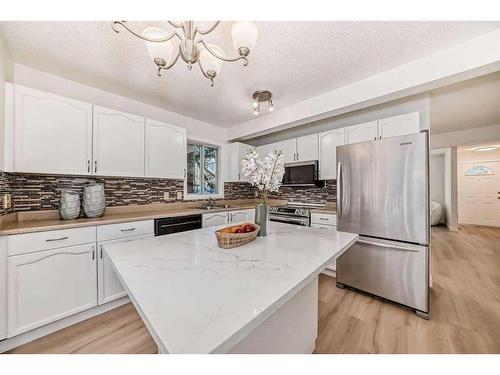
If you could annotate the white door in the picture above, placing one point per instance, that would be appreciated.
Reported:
(479, 196)
(110, 287)
(289, 148)
(118, 146)
(241, 215)
(49, 285)
(212, 220)
(408, 123)
(307, 147)
(361, 133)
(328, 142)
(165, 150)
(53, 134)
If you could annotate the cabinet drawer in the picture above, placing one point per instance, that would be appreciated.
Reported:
(122, 230)
(31, 242)
(325, 219)
(323, 226)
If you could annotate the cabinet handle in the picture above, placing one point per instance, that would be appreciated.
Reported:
(239, 176)
(127, 230)
(184, 172)
(100, 248)
(95, 166)
(88, 166)
(324, 218)
(56, 239)
(93, 252)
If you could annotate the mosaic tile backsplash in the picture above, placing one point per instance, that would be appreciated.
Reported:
(37, 192)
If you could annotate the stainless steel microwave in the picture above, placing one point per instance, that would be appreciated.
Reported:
(302, 174)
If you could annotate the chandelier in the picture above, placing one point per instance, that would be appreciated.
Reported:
(186, 41)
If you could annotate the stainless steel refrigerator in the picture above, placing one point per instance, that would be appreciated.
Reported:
(383, 195)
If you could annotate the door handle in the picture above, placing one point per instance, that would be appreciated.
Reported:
(100, 248)
(93, 252)
(56, 239)
(339, 189)
(88, 166)
(388, 246)
(95, 166)
(127, 230)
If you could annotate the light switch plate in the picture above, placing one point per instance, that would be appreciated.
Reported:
(166, 196)
(179, 195)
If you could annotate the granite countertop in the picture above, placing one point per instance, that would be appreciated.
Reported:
(51, 221)
(197, 298)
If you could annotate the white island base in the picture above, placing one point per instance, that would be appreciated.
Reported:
(290, 330)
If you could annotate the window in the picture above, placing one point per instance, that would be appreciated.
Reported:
(478, 170)
(202, 169)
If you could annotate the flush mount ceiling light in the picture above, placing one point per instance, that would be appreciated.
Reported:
(262, 96)
(489, 148)
(186, 41)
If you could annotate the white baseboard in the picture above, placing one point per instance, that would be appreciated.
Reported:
(29, 336)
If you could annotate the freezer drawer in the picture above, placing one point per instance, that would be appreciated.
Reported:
(389, 269)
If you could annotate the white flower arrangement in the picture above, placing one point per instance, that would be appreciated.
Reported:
(266, 175)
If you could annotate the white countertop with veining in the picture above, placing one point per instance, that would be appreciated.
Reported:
(197, 298)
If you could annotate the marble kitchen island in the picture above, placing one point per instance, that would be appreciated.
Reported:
(261, 297)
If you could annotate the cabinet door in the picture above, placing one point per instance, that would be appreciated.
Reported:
(361, 132)
(240, 215)
(165, 150)
(265, 149)
(408, 123)
(289, 148)
(110, 287)
(49, 285)
(328, 142)
(212, 220)
(118, 146)
(233, 153)
(242, 151)
(307, 147)
(53, 134)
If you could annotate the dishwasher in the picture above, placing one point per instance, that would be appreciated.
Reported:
(177, 224)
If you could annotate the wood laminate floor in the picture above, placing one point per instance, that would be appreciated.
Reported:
(465, 311)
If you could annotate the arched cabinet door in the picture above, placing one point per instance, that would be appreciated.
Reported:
(49, 285)
(53, 134)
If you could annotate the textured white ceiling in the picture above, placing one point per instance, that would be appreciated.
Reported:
(295, 60)
(466, 105)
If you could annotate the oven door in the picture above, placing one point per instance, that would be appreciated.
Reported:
(296, 220)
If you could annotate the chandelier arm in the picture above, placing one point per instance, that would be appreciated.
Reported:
(244, 58)
(175, 24)
(207, 31)
(205, 74)
(173, 62)
(165, 39)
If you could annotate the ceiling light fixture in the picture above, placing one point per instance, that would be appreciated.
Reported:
(262, 96)
(186, 41)
(489, 148)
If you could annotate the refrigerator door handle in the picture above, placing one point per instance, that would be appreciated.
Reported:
(404, 248)
(339, 189)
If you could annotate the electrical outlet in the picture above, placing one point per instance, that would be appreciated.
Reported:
(166, 196)
(7, 201)
(179, 195)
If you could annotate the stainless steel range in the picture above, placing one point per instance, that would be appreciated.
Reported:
(298, 213)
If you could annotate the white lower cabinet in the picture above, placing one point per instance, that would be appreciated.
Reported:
(325, 221)
(109, 286)
(227, 217)
(49, 285)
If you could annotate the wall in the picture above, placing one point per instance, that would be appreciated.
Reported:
(36, 79)
(450, 186)
(437, 181)
(465, 137)
(420, 103)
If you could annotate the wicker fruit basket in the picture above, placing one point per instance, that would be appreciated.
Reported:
(227, 240)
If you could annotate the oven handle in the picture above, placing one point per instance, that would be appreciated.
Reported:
(303, 222)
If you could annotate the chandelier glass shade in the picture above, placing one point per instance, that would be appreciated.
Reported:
(186, 41)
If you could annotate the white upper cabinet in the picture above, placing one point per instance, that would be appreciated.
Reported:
(165, 150)
(233, 153)
(53, 134)
(289, 147)
(265, 149)
(118, 146)
(328, 142)
(408, 123)
(361, 133)
(307, 148)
